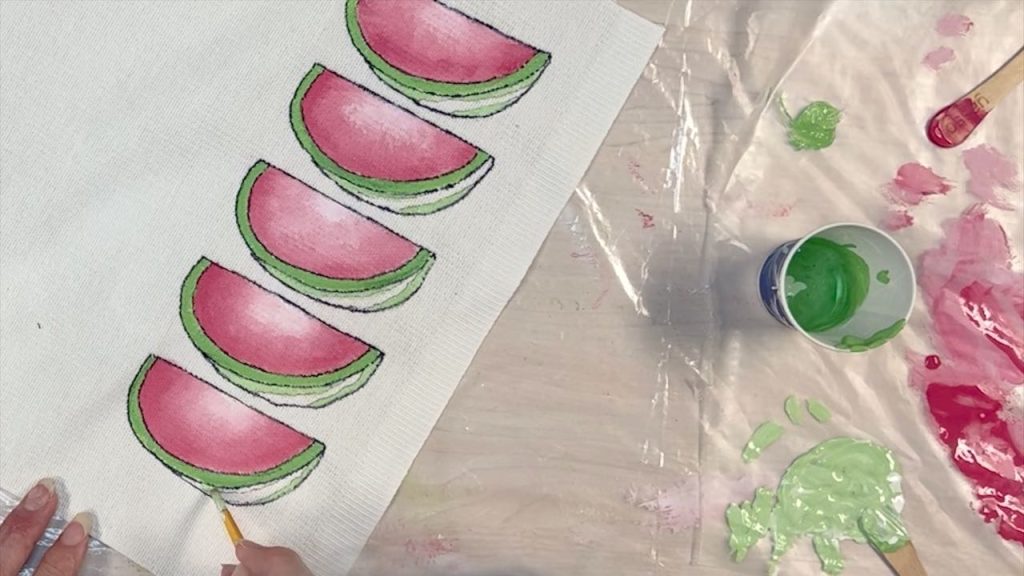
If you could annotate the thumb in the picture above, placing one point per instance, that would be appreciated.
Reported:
(262, 560)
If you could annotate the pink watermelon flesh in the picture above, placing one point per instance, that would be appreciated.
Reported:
(371, 137)
(310, 231)
(427, 39)
(259, 328)
(206, 428)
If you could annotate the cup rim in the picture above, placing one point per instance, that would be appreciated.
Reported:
(792, 252)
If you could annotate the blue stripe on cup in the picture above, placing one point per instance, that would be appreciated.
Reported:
(771, 278)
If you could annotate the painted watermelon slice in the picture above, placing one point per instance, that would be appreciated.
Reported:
(322, 249)
(441, 58)
(267, 345)
(381, 153)
(213, 441)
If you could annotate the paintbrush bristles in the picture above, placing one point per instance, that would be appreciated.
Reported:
(218, 501)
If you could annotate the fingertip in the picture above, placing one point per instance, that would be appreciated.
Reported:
(246, 548)
(40, 495)
(227, 569)
(77, 531)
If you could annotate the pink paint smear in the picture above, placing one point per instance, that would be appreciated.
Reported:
(913, 182)
(939, 57)
(990, 170)
(953, 24)
(646, 219)
(676, 508)
(897, 219)
(680, 506)
(974, 385)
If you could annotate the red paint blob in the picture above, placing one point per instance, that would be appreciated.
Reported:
(976, 303)
(954, 123)
(982, 448)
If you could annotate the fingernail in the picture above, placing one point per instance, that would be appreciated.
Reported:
(39, 495)
(249, 544)
(76, 531)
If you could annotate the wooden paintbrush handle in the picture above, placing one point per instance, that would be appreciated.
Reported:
(904, 562)
(998, 85)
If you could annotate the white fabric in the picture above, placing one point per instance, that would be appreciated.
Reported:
(126, 129)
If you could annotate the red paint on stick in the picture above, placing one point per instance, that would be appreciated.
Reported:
(954, 123)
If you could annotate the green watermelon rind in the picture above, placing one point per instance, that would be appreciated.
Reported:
(403, 81)
(264, 390)
(311, 384)
(309, 457)
(381, 200)
(305, 281)
(432, 102)
(331, 297)
(377, 186)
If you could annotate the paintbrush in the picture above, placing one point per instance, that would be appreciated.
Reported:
(954, 123)
(229, 521)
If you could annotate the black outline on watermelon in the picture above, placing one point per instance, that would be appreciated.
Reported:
(481, 22)
(188, 481)
(269, 400)
(494, 161)
(388, 228)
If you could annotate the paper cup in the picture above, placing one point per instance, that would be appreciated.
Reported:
(847, 287)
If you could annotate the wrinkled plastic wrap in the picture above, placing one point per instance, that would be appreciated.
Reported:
(599, 428)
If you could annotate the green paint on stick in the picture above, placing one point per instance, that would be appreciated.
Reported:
(792, 408)
(841, 489)
(882, 276)
(764, 436)
(814, 127)
(857, 344)
(818, 411)
(836, 279)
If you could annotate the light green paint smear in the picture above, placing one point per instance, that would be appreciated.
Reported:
(841, 489)
(814, 127)
(857, 344)
(748, 522)
(818, 411)
(765, 435)
(836, 279)
(792, 408)
(882, 276)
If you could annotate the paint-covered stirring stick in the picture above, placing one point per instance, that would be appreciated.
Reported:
(885, 532)
(954, 123)
(904, 561)
(229, 521)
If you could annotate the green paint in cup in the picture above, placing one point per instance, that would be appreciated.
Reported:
(833, 282)
(848, 287)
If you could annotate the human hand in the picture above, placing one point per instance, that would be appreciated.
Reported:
(27, 522)
(256, 560)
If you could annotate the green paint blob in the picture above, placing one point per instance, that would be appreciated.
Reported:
(836, 283)
(841, 489)
(814, 127)
(764, 436)
(882, 276)
(857, 344)
(792, 408)
(818, 411)
(748, 522)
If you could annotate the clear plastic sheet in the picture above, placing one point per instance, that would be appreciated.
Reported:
(866, 58)
(599, 427)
